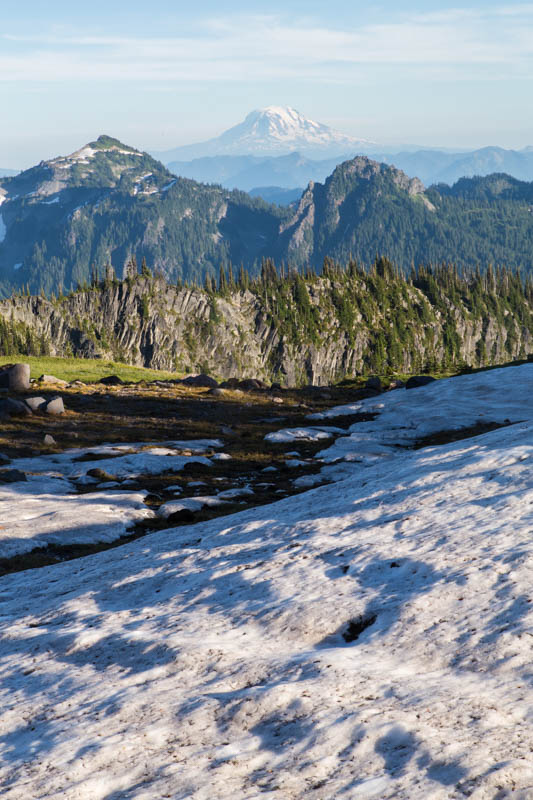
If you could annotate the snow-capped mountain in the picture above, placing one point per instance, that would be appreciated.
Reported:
(275, 130)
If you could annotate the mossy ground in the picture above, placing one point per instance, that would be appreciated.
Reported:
(86, 369)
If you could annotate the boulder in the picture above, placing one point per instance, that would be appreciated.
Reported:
(251, 384)
(9, 407)
(231, 383)
(419, 380)
(49, 440)
(12, 475)
(101, 474)
(55, 406)
(202, 380)
(111, 380)
(374, 384)
(19, 378)
(34, 403)
(4, 375)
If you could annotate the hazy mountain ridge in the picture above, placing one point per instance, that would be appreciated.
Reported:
(294, 170)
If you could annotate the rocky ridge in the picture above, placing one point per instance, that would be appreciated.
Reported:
(316, 331)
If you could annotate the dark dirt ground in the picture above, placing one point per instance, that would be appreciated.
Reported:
(97, 414)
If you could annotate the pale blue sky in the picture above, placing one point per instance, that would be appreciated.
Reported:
(166, 73)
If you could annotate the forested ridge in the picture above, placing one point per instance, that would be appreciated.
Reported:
(283, 324)
(66, 218)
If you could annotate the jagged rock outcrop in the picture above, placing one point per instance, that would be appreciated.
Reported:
(316, 332)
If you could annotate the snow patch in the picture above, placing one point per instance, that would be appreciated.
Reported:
(302, 434)
(43, 511)
(188, 504)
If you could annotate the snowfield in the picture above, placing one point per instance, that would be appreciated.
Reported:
(371, 638)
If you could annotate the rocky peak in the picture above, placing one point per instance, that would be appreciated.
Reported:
(367, 169)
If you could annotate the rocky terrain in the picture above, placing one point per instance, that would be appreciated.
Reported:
(291, 331)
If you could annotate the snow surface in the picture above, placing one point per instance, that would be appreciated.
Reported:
(404, 416)
(188, 504)
(303, 434)
(139, 459)
(17, 266)
(44, 511)
(208, 661)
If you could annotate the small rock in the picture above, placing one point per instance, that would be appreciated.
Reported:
(77, 383)
(12, 476)
(34, 403)
(52, 379)
(19, 378)
(101, 474)
(55, 406)
(49, 440)
(277, 400)
(419, 380)
(225, 429)
(396, 384)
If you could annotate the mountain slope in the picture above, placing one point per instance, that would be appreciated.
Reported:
(246, 172)
(107, 202)
(274, 130)
(365, 208)
(291, 330)
(435, 166)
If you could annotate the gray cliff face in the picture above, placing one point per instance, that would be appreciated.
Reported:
(148, 323)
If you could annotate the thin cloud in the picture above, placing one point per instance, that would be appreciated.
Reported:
(459, 42)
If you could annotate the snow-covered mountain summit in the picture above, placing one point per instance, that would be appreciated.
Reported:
(274, 130)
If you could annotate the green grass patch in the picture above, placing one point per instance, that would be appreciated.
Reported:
(86, 369)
